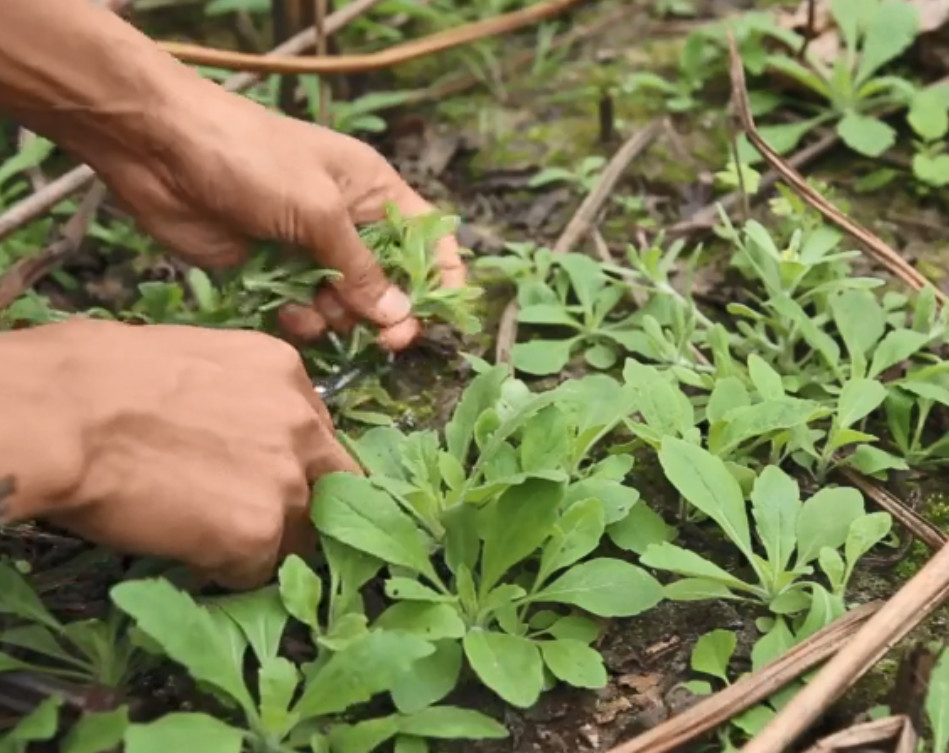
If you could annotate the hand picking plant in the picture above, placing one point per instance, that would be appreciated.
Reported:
(873, 33)
(481, 552)
(99, 651)
(791, 537)
(293, 708)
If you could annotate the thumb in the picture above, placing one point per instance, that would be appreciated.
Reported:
(330, 236)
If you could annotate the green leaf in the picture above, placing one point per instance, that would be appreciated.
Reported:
(935, 392)
(364, 736)
(712, 653)
(892, 29)
(432, 622)
(681, 561)
(186, 632)
(792, 601)
(600, 356)
(574, 662)
(97, 732)
(260, 615)
(409, 744)
(509, 665)
(576, 534)
(605, 587)
(706, 483)
(368, 665)
(858, 398)
(618, 500)
(640, 528)
(301, 590)
(825, 520)
(481, 394)
(931, 169)
(406, 589)
(776, 642)
(928, 114)
(860, 320)
(541, 357)
(832, 564)
(766, 380)
(451, 723)
(277, 680)
(760, 420)
(183, 731)
(349, 508)
(865, 532)
(937, 703)
(663, 406)
(20, 599)
(586, 277)
(897, 346)
(545, 442)
(825, 608)
(866, 135)
(575, 627)
(776, 504)
(873, 461)
(546, 313)
(37, 726)
(728, 394)
(429, 679)
(697, 589)
(516, 525)
(755, 719)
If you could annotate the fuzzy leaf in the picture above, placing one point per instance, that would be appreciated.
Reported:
(451, 722)
(432, 622)
(576, 534)
(712, 653)
(574, 662)
(825, 520)
(866, 135)
(605, 587)
(541, 357)
(509, 665)
(675, 559)
(429, 679)
(897, 346)
(97, 732)
(300, 589)
(858, 398)
(776, 504)
(640, 528)
(891, 30)
(183, 731)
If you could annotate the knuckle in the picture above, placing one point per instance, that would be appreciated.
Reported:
(256, 533)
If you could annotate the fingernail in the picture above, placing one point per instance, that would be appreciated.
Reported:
(330, 308)
(394, 305)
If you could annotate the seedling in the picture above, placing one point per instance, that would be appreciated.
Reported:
(787, 530)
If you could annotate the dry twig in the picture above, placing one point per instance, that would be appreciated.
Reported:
(868, 733)
(580, 224)
(912, 604)
(23, 274)
(749, 690)
(401, 53)
(877, 248)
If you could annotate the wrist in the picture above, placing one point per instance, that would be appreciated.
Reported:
(41, 432)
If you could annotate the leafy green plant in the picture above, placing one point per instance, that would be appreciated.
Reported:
(874, 33)
(937, 703)
(929, 118)
(592, 319)
(581, 179)
(100, 651)
(482, 551)
(293, 708)
(679, 93)
(791, 536)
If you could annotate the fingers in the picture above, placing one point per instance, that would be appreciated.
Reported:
(451, 266)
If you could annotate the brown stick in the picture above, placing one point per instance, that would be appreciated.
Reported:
(39, 203)
(586, 213)
(749, 690)
(579, 224)
(878, 731)
(22, 275)
(915, 601)
(876, 247)
(922, 529)
(444, 40)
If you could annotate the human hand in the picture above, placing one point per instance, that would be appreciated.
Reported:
(191, 444)
(236, 171)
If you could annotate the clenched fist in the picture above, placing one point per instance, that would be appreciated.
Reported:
(181, 442)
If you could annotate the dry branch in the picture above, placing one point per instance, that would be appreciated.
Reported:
(876, 246)
(24, 274)
(927, 532)
(913, 603)
(580, 224)
(717, 709)
(878, 731)
(401, 53)
(79, 177)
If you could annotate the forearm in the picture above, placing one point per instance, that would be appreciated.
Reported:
(83, 77)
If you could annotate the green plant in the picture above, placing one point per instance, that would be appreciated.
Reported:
(791, 535)
(294, 707)
(929, 118)
(679, 94)
(874, 33)
(486, 531)
(99, 651)
(937, 703)
(581, 179)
